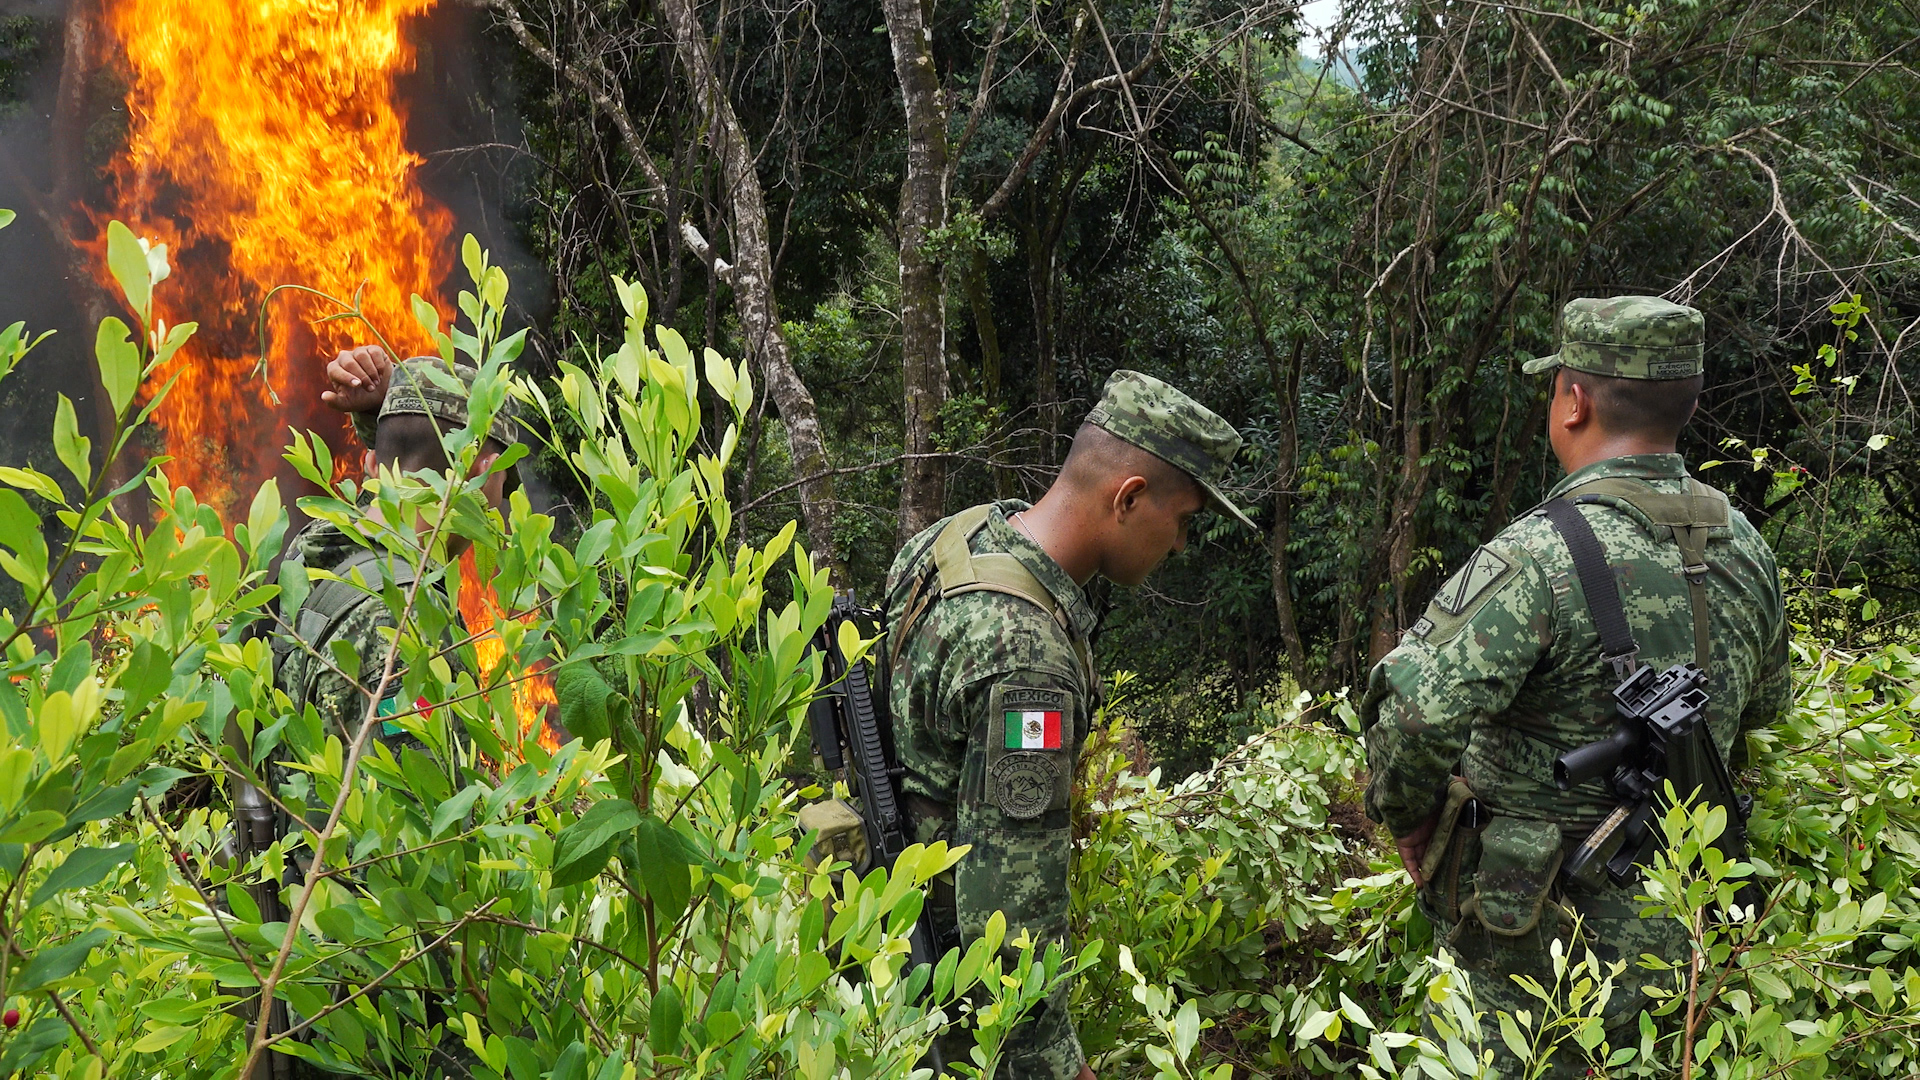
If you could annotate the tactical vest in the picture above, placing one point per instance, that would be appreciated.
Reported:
(956, 569)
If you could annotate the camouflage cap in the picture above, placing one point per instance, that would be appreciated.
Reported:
(1628, 337)
(411, 391)
(1173, 427)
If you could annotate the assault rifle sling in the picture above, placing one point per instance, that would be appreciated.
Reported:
(1663, 725)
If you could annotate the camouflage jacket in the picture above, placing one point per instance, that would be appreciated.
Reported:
(1504, 672)
(991, 704)
(340, 703)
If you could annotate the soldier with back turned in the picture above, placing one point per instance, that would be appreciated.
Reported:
(1505, 671)
(993, 681)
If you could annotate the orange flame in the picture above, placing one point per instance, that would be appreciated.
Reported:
(265, 148)
(480, 609)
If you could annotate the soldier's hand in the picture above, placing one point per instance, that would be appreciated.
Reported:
(1086, 1073)
(1413, 848)
(357, 379)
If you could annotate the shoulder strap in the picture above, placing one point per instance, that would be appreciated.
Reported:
(330, 601)
(1691, 516)
(1617, 646)
(958, 570)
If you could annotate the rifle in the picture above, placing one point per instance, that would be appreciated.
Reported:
(1662, 717)
(853, 733)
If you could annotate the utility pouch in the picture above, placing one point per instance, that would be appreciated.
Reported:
(1461, 816)
(843, 837)
(1458, 796)
(1518, 862)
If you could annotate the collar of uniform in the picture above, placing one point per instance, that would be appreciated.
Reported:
(1004, 535)
(1635, 466)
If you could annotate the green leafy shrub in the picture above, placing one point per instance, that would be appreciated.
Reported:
(634, 903)
(1246, 892)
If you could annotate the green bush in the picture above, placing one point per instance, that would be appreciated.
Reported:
(632, 904)
(636, 903)
(1247, 892)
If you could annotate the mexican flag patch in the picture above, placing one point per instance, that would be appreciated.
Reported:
(1033, 730)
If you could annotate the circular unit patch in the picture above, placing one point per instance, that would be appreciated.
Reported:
(1023, 784)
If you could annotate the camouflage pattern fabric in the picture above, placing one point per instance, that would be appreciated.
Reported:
(973, 776)
(1168, 424)
(1503, 673)
(340, 703)
(412, 391)
(1628, 337)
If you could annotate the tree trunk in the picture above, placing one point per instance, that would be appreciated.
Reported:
(923, 298)
(1286, 389)
(752, 281)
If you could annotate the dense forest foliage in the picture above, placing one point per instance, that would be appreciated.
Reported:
(1345, 240)
(917, 239)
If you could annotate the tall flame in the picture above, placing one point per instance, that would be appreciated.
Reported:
(265, 148)
(480, 610)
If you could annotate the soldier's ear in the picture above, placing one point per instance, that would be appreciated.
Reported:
(369, 463)
(1127, 496)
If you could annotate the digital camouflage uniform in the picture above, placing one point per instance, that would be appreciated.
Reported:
(992, 697)
(1504, 672)
(321, 545)
(361, 619)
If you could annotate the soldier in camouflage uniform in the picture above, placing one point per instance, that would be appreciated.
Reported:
(1504, 671)
(993, 684)
(400, 430)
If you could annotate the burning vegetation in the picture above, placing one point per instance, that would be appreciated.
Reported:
(266, 146)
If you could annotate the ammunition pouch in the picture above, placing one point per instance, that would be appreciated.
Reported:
(843, 835)
(1514, 879)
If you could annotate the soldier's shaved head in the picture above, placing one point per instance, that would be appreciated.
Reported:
(1100, 458)
(1652, 409)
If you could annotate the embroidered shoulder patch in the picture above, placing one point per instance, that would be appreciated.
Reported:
(1483, 568)
(1030, 736)
(1024, 784)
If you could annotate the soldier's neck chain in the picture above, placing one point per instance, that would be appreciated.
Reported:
(1017, 519)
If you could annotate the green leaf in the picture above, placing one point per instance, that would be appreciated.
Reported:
(148, 672)
(33, 827)
(664, 858)
(51, 965)
(294, 586)
(455, 809)
(345, 657)
(1186, 1029)
(582, 849)
(37, 482)
(1771, 984)
(129, 265)
(119, 360)
(160, 1039)
(6, 218)
(83, 868)
(664, 1020)
(72, 447)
